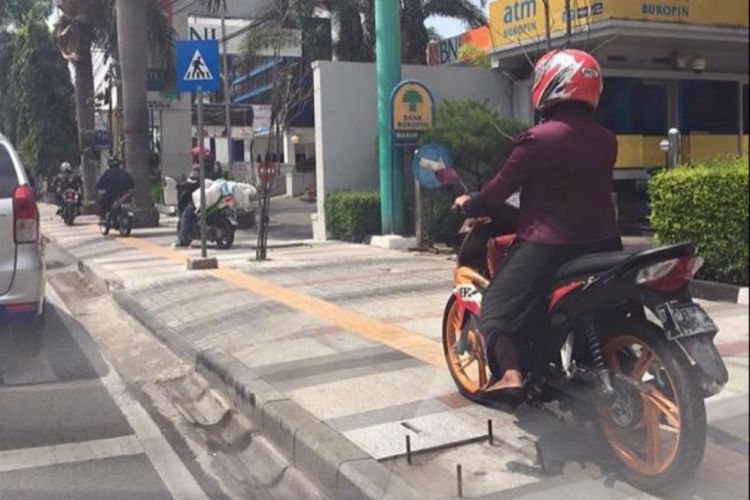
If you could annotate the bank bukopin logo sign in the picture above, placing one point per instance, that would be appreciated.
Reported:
(413, 111)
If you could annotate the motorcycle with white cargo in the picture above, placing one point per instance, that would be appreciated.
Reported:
(223, 198)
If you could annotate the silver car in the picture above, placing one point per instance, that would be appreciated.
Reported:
(21, 263)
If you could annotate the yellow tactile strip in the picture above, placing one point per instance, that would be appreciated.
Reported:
(403, 340)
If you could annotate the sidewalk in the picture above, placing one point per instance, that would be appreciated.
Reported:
(335, 349)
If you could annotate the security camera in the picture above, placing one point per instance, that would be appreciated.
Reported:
(680, 60)
(699, 65)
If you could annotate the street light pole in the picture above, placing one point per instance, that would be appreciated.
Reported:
(227, 90)
(388, 74)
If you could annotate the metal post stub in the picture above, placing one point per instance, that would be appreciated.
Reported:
(459, 481)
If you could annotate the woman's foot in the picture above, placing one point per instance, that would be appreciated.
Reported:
(512, 379)
(509, 389)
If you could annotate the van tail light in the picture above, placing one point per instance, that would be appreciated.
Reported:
(670, 275)
(25, 216)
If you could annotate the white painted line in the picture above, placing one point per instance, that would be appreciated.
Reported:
(176, 477)
(726, 408)
(45, 456)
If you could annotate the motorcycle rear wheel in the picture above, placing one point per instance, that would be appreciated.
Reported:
(69, 216)
(124, 225)
(658, 436)
(469, 370)
(226, 230)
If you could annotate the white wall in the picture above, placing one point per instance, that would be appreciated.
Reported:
(522, 109)
(346, 117)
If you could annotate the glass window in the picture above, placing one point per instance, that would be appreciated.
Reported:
(8, 176)
(631, 106)
(708, 106)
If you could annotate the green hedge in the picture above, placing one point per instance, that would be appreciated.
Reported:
(442, 224)
(353, 215)
(708, 205)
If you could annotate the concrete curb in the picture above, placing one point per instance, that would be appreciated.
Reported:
(339, 468)
(720, 292)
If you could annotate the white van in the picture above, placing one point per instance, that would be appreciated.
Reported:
(21, 264)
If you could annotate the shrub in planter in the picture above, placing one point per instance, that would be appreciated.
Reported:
(708, 205)
(478, 137)
(353, 215)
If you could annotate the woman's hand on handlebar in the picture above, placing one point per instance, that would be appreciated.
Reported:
(458, 204)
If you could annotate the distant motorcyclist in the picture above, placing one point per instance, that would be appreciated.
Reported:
(64, 180)
(185, 205)
(113, 183)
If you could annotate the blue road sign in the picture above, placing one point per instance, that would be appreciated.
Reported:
(197, 65)
(432, 165)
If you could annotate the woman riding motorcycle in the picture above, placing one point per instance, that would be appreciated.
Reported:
(563, 168)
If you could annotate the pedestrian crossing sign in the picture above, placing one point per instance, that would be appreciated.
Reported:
(197, 64)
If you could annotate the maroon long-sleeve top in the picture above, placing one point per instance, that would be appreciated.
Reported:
(563, 168)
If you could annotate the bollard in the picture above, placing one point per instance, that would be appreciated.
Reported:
(490, 436)
(408, 449)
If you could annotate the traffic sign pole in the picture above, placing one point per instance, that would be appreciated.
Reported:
(202, 170)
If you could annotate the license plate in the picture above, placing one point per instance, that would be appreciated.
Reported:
(685, 320)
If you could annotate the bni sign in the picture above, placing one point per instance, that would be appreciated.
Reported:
(209, 28)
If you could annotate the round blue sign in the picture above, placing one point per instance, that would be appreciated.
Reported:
(432, 165)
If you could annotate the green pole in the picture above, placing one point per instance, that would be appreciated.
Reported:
(388, 75)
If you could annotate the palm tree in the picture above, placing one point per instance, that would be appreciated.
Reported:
(85, 25)
(355, 26)
(75, 32)
(132, 45)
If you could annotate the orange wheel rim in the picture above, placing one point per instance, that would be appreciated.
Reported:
(469, 368)
(649, 445)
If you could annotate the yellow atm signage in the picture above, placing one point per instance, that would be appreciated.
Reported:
(522, 21)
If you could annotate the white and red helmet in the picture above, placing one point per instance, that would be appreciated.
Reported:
(566, 75)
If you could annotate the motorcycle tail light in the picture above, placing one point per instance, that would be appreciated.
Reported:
(670, 275)
(25, 216)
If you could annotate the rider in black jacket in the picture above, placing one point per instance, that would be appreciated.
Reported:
(114, 182)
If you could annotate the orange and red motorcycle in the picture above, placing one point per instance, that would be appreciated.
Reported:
(620, 334)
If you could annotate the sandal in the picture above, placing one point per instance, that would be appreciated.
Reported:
(512, 395)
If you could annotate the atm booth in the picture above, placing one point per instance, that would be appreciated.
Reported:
(676, 64)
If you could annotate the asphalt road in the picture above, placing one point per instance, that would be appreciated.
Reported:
(69, 429)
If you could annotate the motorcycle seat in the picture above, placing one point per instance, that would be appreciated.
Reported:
(591, 263)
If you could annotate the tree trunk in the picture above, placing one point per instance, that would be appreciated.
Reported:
(86, 117)
(132, 48)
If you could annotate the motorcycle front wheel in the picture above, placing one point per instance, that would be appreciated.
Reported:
(657, 433)
(104, 226)
(467, 364)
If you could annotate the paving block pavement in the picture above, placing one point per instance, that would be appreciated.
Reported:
(334, 349)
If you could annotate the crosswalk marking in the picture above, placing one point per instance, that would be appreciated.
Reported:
(44, 456)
